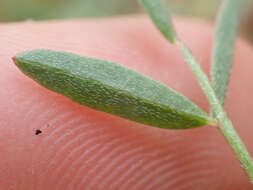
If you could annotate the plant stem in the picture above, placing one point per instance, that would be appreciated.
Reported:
(225, 125)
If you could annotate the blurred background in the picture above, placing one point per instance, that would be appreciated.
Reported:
(20, 10)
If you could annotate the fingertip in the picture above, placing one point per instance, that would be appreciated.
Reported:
(84, 148)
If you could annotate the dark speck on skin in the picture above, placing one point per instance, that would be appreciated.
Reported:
(37, 132)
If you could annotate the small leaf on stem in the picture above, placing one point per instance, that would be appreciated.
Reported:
(227, 23)
(111, 88)
(159, 14)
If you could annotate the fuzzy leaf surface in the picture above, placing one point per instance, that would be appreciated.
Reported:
(227, 24)
(111, 88)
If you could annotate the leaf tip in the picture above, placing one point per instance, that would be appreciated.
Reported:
(14, 59)
(160, 17)
(16, 62)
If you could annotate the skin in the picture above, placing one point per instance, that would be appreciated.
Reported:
(80, 148)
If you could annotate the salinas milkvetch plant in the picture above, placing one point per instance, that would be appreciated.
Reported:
(102, 85)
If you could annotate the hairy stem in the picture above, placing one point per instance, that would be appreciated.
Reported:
(225, 125)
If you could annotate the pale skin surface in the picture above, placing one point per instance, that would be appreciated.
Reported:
(80, 148)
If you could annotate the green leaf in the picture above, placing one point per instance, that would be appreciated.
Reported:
(226, 31)
(111, 88)
(160, 15)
